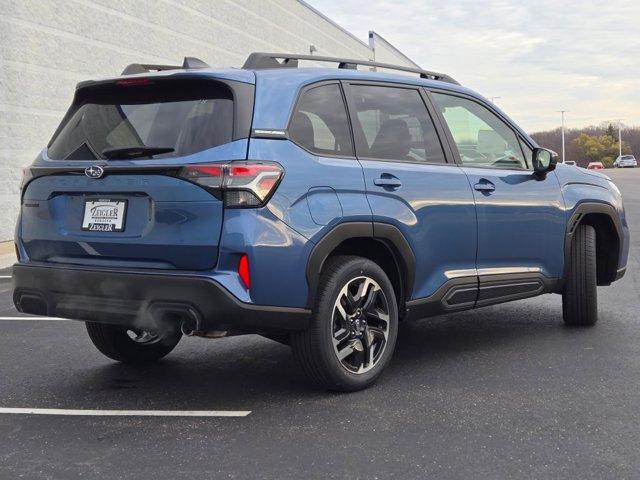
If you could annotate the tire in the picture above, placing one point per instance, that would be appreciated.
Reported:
(369, 334)
(115, 342)
(580, 296)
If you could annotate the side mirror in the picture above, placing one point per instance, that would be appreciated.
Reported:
(544, 160)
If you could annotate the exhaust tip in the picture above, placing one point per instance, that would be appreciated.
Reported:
(189, 327)
(31, 303)
(175, 314)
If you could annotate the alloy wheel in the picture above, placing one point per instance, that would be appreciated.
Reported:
(360, 325)
(143, 337)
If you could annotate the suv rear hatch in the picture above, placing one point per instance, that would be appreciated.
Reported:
(108, 190)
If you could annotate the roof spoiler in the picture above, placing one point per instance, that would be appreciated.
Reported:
(189, 63)
(260, 61)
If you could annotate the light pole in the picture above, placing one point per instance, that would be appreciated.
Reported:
(620, 137)
(563, 112)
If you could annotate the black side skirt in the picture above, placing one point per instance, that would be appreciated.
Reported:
(466, 293)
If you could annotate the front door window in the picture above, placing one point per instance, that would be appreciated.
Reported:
(482, 138)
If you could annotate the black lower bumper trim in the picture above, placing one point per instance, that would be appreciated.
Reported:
(127, 298)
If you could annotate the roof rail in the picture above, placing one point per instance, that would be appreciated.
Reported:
(189, 63)
(259, 61)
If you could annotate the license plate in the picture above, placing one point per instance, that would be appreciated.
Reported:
(103, 215)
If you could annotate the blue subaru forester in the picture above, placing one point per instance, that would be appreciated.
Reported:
(315, 206)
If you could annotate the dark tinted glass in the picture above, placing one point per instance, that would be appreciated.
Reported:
(184, 117)
(396, 125)
(320, 122)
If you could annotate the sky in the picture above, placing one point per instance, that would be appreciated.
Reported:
(538, 56)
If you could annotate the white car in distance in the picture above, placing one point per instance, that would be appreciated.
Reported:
(625, 161)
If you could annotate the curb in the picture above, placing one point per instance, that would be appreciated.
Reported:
(7, 254)
(7, 260)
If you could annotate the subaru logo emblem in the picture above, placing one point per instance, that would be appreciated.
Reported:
(94, 171)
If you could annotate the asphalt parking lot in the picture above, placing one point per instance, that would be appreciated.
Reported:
(501, 392)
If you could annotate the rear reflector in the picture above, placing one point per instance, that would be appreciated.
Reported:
(245, 184)
(243, 271)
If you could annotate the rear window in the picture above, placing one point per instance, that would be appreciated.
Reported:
(628, 157)
(150, 119)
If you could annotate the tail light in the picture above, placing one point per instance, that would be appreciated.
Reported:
(243, 184)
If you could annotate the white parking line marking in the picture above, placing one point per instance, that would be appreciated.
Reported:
(35, 319)
(127, 413)
(5, 276)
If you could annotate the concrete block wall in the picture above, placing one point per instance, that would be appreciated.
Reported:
(47, 46)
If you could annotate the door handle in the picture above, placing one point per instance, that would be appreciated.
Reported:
(485, 187)
(388, 181)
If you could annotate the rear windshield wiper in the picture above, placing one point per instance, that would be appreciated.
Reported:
(134, 152)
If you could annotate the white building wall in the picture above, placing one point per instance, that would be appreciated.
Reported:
(47, 46)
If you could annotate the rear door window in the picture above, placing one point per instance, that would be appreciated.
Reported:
(320, 122)
(394, 124)
(151, 119)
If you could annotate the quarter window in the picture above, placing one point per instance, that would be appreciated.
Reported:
(394, 125)
(483, 139)
(320, 122)
(528, 153)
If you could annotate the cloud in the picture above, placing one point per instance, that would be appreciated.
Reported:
(539, 57)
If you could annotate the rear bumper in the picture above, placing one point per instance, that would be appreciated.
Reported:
(142, 298)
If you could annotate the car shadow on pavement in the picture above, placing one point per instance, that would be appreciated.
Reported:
(240, 372)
